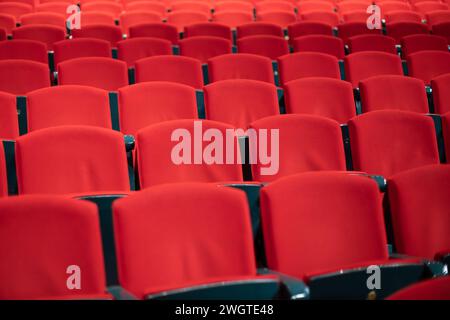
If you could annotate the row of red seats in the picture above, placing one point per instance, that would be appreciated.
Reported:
(174, 223)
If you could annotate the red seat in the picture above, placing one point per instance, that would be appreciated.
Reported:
(402, 16)
(427, 65)
(387, 142)
(183, 18)
(209, 29)
(178, 69)
(446, 132)
(441, 93)
(424, 7)
(323, 97)
(438, 16)
(103, 73)
(393, 92)
(155, 6)
(307, 143)
(203, 48)
(351, 5)
(7, 22)
(15, 9)
(355, 16)
(435, 289)
(58, 7)
(392, 6)
(43, 33)
(233, 18)
(398, 30)
(371, 42)
(112, 34)
(133, 49)
(96, 18)
(419, 42)
(341, 212)
(240, 66)
(148, 103)
(268, 46)
(326, 17)
(79, 48)
(442, 29)
(239, 102)
(160, 159)
(71, 159)
(230, 5)
(154, 219)
(22, 76)
(320, 43)
(351, 29)
(307, 64)
(44, 239)
(155, 30)
(24, 49)
(133, 18)
(68, 105)
(281, 18)
(418, 201)
(53, 19)
(306, 28)
(274, 5)
(113, 8)
(366, 64)
(259, 28)
(192, 6)
(308, 6)
(9, 126)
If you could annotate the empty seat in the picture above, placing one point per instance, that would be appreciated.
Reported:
(58, 7)
(43, 33)
(183, 18)
(103, 73)
(307, 6)
(434, 289)
(398, 30)
(268, 46)
(355, 16)
(9, 126)
(133, 49)
(238, 5)
(71, 159)
(351, 29)
(209, 29)
(7, 22)
(419, 42)
(46, 241)
(330, 18)
(351, 5)
(274, 5)
(49, 18)
(366, 64)
(161, 159)
(15, 9)
(259, 28)
(392, 6)
(418, 201)
(240, 101)
(24, 49)
(441, 93)
(233, 18)
(96, 18)
(178, 69)
(446, 132)
(68, 105)
(22, 76)
(306, 28)
(203, 48)
(155, 220)
(112, 34)
(145, 5)
(425, 7)
(134, 18)
(113, 8)
(427, 65)
(307, 64)
(442, 29)
(147, 103)
(307, 143)
(240, 66)
(320, 43)
(387, 142)
(78, 48)
(155, 30)
(324, 97)
(438, 16)
(402, 16)
(281, 18)
(342, 213)
(191, 5)
(371, 42)
(393, 92)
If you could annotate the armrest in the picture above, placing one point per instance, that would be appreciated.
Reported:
(129, 142)
(432, 268)
(251, 289)
(120, 293)
(296, 288)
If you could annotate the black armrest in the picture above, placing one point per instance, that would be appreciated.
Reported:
(432, 268)
(259, 289)
(129, 142)
(296, 288)
(120, 293)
